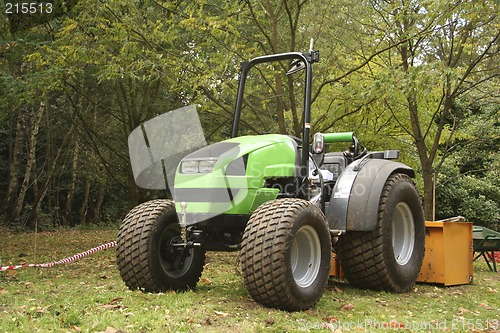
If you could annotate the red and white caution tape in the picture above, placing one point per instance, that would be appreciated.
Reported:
(65, 260)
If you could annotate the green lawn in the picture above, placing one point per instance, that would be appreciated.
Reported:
(89, 296)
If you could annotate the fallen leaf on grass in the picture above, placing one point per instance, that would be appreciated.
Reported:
(462, 310)
(486, 306)
(115, 300)
(3, 291)
(221, 314)
(331, 319)
(382, 302)
(347, 307)
(110, 329)
(113, 304)
(43, 310)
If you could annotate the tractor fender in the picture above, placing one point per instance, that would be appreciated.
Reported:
(356, 195)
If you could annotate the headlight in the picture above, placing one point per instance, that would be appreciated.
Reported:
(197, 166)
(189, 167)
(206, 166)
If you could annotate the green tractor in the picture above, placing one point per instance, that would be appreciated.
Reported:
(286, 204)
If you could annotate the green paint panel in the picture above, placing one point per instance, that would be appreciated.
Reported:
(267, 156)
(262, 195)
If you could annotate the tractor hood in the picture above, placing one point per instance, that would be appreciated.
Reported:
(229, 177)
(221, 154)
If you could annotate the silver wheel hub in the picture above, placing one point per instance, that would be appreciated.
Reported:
(403, 233)
(305, 256)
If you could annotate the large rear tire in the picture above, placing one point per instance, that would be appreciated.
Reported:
(390, 257)
(286, 254)
(145, 255)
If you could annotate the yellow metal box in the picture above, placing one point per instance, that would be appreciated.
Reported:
(336, 268)
(448, 253)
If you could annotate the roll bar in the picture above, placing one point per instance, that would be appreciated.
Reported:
(308, 59)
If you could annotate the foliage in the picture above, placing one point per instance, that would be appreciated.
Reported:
(435, 53)
(73, 88)
(469, 182)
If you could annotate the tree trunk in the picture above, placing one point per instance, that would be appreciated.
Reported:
(98, 206)
(297, 123)
(85, 202)
(428, 178)
(30, 161)
(425, 159)
(15, 152)
(72, 186)
(280, 107)
(37, 203)
(15, 157)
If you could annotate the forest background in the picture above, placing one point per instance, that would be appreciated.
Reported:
(418, 76)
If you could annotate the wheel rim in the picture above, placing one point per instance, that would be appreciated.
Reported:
(171, 259)
(403, 233)
(305, 256)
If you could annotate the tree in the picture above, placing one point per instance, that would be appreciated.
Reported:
(399, 72)
(468, 183)
(444, 52)
(25, 100)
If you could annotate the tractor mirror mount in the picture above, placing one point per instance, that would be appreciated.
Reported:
(296, 66)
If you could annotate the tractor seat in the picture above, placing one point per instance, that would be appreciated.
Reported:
(335, 163)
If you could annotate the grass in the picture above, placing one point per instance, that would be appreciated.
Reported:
(89, 296)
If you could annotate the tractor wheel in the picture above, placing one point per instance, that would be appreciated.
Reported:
(286, 254)
(390, 257)
(145, 255)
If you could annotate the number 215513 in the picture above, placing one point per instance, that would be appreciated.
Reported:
(28, 8)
